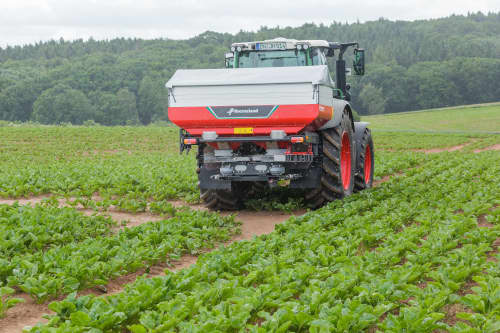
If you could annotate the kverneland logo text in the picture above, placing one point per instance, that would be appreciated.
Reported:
(233, 110)
(242, 111)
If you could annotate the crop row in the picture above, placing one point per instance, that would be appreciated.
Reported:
(65, 267)
(45, 144)
(155, 176)
(404, 141)
(26, 229)
(132, 183)
(341, 268)
(87, 161)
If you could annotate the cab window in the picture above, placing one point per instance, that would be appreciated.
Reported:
(318, 57)
(284, 58)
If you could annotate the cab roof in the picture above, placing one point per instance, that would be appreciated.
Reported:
(290, 43)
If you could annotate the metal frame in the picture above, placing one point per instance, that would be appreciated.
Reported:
(250, 139)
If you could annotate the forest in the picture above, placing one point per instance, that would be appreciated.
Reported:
(410, 66)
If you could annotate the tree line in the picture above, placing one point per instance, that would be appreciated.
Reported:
(410, 65)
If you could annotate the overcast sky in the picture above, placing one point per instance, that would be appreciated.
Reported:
(28, 21)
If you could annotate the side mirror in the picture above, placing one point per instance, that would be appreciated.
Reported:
(358, 64)
(330, 52)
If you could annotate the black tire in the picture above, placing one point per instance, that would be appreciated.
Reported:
(365, 163)
(224, 199)
(258, 188)
(337, 181)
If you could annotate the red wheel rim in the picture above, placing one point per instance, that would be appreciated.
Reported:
(368, 164)
(345, 161)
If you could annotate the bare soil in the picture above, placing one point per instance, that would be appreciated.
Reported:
(451, 310)
(260, 223)
(132, 220)
(440, 150)
(96, 152)
(24, 314)
(467, 288)
(494, 147)
(492, 254)
(381, 181)
(124, 219)
(25, 201)
(386, 178)
(483, 222)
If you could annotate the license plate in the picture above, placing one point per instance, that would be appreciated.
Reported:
(271, 46)
(243, 130)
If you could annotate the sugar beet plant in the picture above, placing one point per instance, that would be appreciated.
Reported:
(129, 168)
(138, 177)
(132, 182)
(62, 261)
(391, 259)
(26, 229)
(132, 163)
(6, 300)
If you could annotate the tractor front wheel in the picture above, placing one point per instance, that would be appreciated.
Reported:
(365, 163)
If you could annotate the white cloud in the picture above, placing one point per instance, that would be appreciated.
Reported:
(28, 21)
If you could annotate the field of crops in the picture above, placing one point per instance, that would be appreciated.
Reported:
(480, 118)
(417, 253)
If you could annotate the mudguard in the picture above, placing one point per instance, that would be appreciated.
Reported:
(207, 182)
(338, 108)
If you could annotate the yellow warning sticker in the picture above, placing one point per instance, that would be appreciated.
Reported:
(243, 130)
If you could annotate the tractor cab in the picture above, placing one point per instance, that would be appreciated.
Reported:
(279, 52)
(283, 52)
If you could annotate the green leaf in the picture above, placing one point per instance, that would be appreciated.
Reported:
(137, 329)
(80, 318)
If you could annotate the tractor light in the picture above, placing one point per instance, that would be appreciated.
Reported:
(233, 48)
(299, 46)
(261, 168)
(297, 139)
(226, 170)
(238, 48)
(189, 141)
(306, 46)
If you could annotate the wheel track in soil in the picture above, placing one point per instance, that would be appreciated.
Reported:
(254, 223)
(494, 147)
(445, 149)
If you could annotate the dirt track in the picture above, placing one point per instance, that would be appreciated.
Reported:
(494, 147)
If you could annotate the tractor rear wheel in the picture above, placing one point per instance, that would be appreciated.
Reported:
(337, 179)
(259, 187)
(224, 199)
(365, 163)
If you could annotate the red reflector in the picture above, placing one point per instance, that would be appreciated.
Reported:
(297, 139)
(189, 141)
